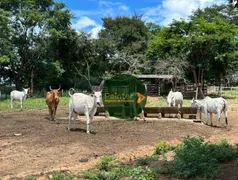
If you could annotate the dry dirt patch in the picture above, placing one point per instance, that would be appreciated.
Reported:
(32, 145)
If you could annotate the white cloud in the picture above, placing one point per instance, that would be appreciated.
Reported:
(84, 22)
(94, 31)
(123, 8)
(174, 9)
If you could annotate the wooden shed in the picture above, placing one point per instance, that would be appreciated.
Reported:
(158, 85)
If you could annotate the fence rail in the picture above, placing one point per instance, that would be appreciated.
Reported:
(215, 89)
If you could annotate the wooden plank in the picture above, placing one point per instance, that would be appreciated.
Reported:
(163, 110)
(171, 110)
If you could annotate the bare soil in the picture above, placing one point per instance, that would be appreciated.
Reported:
(30, 144)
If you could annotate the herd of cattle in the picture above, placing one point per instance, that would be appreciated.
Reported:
(81, 103)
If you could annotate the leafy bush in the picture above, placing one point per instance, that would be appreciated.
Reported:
(62, 176)
(139, 173)
(163, 147)
(105, 163)
(198, 159)
(109, 169)
(145, 161)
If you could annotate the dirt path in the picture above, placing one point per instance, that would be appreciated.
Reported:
(32, 145)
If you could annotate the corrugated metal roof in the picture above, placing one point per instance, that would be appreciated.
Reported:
(154, 76)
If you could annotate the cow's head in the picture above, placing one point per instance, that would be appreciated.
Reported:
(25, 90)
(98, 96)
(193, 103)
(55, 93)
(196, 103)
(170, 98)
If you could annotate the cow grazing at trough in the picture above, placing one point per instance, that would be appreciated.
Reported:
(100, 103)
(52, 100)
(83, 104)
(18, 95)
(175, 98)
(212, 105)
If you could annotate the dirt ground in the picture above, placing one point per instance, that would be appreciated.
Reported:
(30, 144)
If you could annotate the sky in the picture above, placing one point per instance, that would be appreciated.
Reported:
(88, 13)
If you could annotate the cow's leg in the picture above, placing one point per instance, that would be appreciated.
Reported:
(218, 118)
(55, 112)
(142, 115)
(12, 101)
(206, 115)
(75, 117)
(107, 114)
(87, 122)
(49, 112)
(70, 117)
(225, 114)
(211, 119)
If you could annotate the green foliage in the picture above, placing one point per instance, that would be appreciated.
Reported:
(207, 43)
(105, 163)
(32, 103)
(124, 41)
(109, 169)
(196, 159)
(62, 176)
(162, 147)
(29, 178)
(145, 161)
(139, 173)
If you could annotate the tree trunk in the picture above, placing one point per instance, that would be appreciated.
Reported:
(198, 79)
(31, 82)
(220, 89)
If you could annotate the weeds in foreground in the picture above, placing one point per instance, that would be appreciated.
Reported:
(193, 159)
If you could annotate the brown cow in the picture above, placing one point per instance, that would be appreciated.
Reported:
(52, 100)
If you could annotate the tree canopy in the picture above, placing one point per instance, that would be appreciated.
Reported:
(39, 48)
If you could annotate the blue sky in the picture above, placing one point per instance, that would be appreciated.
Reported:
(88, 13)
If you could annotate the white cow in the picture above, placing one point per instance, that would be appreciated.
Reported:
(83, 104)
(18, 95)
(175, 98)
(212, 105)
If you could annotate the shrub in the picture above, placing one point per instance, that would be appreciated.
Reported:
(139, 173)
(163, 147)
(198, 159)
(105, 163)
(62, 176)
(145, 161)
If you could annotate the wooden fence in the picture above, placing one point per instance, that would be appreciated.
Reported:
(188, 90)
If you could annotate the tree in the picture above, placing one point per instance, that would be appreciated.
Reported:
(32, 22)
(208, 43)
(125, 39)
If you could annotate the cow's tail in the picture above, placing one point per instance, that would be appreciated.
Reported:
(225, 110)
(71, 89)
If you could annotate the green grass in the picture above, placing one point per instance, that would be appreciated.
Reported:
(39, 103)
(32, 103)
